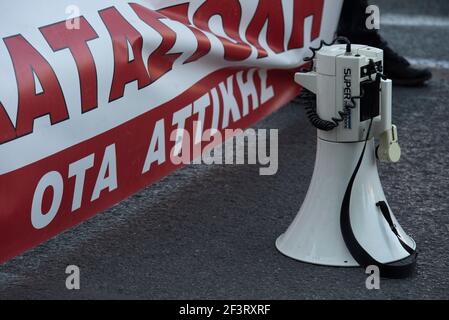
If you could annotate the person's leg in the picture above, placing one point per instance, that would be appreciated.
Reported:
(352, 25)
(352, 18)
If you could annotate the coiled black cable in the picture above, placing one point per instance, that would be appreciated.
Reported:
(311, 112)
(317, 121)
(324, 43)
(312, 115)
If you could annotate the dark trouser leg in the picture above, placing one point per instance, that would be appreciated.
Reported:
(352, 23)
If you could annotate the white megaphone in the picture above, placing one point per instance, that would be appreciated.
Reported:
(345, 219)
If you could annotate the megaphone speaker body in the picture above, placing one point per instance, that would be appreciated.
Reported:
(315, 236)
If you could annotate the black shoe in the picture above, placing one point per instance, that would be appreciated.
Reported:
(400, 71)
(396, 67)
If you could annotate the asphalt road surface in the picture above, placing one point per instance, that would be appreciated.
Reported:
(207, 232)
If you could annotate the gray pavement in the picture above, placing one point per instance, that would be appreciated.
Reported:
(207, 232)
